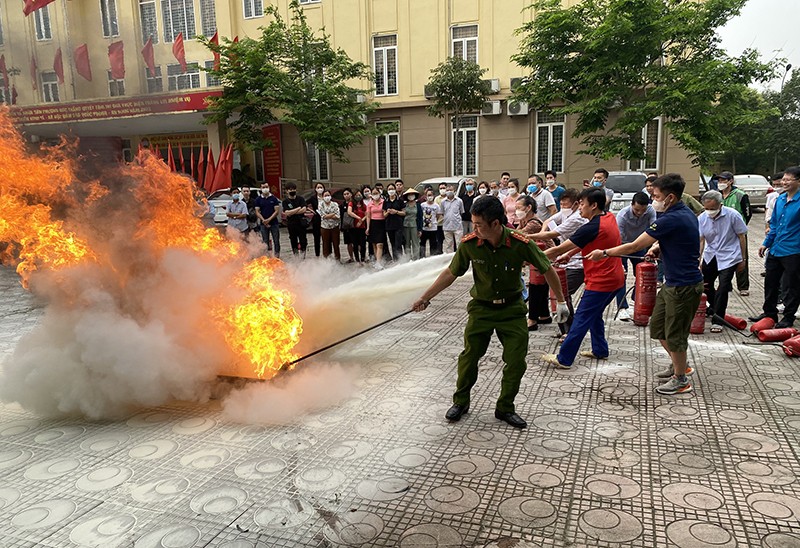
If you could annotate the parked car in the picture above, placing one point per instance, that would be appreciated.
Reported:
(219, 201)
(755, 186)
(624, 184)
(436, 181)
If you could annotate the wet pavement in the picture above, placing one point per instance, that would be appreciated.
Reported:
(604, 462)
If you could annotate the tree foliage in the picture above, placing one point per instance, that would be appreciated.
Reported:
(292, 75)
(617, 64)
(456, 87)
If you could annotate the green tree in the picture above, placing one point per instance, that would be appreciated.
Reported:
(617, 64)
(456, 87)
(292, 75)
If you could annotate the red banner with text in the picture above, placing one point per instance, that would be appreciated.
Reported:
(273, 166)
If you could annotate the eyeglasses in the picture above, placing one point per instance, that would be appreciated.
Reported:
(789, 180)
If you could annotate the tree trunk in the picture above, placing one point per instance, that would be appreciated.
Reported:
(309, 165)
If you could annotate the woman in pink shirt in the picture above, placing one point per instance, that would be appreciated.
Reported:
(510, 203)
(376, 226)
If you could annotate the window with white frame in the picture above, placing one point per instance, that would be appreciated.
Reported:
(115, 87)
(155, 84)
(465, 147)
(147, 13)
(253, 8)
(108, 15)
(651, 139)
(183, 80)
(384, 55)
(49, 87)
(42, 23)
(549, 142)
(318, 161)
(465, 43)
(5, 92)
(178, 18)
(208, 17)
(388, 150)
(211, 81)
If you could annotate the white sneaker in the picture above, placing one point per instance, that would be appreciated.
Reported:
(624, 315)
(378, 266)
(781, 307)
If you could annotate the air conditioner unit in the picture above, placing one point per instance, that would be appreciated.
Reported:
(428, 92)
(494, 85)
(517, 108)
(515, 83)
(361, 98)
(491, 108)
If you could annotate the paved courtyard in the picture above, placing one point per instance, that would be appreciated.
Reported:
(604, 462)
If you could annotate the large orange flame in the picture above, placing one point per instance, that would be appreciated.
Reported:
(51, 221)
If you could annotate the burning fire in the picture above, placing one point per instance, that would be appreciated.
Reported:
(52, 221)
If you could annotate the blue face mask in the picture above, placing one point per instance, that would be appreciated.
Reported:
(469, 188)
(533, 189)
(597, 184)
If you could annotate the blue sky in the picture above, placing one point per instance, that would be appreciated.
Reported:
(770, 26)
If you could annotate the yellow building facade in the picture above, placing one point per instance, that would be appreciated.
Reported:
(402, 40)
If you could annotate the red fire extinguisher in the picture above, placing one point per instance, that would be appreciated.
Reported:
(699, 322)
(735, 321)
(791, 347)
(562, 277)
(762, 325)
(777, 335)
(536, 278)
(646, 282)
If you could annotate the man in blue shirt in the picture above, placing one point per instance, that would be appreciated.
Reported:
(723, 245)
(553, 187)
(633, 220)
(677, 238)
(268, 207)
(783, 242)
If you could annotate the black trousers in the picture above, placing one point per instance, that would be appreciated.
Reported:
(428, 236)
(358, 237)
(717, 298)
(395, 237)
(775, 269)
(297, 238)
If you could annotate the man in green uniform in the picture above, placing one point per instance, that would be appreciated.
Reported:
(497, 255)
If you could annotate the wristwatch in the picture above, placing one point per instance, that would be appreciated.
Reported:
(605, 253)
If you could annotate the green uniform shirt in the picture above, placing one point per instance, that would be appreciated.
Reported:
(740, 201)
(696, 207)
(496, 271)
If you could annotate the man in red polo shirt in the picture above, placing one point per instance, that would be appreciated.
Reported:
(603, 279)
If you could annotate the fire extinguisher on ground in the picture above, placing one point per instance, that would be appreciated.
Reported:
(646, 284)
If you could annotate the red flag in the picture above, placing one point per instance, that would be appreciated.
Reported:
(58, 66)
(149, 56)
(170, 158)
(201, 169)
(208, 181)
(179, 52)
(116, 57)
(33, 5)
(222, 178)
(215, 40)
(33, 72)
(4, 70)
(13, 95)
(236, 39)
(180, 155)
(82, 64)
(191, 165)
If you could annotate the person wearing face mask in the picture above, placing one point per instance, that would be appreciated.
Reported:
(439, 218)
(430, 216)
(329, 214)
(777, 185)
(394, 208)
(675, 236)
(366, 191)
(468, 197)
(538, 294)
(237, 214)
(510, 203)
(316, 221)
(723, 248)
(599, 181)
(267, 208)
(737, 199)
(483, 190)
(555, 189)
(376, 226)
(494, 189)
(452, 209)
(545, 204)
(633, 220)
(502, 185)
(347, 222)
(412, 223)
(294, 208)
(357, 210)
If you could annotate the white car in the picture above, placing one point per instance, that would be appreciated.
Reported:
(755, 186)
(458, 182)
(219, 201)
(624, 184)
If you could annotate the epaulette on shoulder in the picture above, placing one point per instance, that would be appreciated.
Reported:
(520, 236)
(468, 237)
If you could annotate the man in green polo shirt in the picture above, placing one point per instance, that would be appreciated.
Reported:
(497, 255)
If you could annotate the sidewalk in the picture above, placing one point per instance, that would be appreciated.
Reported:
(604, 462)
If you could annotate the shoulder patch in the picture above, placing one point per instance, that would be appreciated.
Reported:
(520, 236)
(468, 237)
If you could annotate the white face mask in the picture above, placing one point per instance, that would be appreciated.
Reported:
(712, 212)
(723, 186)
(482, 190)
(376, 197)
(442, 191)
(451, 194)
(320, 190)
(265, 192)
(512, 191)
(430, 199)
(520, 214)
(392, 192)
(495, 191)
(327, 199)
(659, 206)
(551, 182)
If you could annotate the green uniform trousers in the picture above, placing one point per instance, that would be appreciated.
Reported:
(512, 330)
